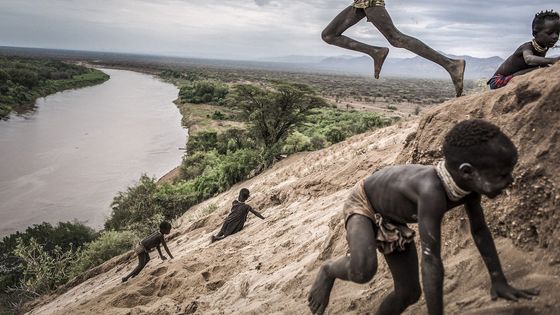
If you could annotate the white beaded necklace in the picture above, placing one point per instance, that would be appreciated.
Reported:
(453, 191)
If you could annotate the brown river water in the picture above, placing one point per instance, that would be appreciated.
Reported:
(68, 159)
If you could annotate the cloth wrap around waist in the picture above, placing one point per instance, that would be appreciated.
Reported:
(390, 236)
(362, 4)
(139, 249)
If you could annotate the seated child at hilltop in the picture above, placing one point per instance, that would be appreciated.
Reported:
(530, 55)
(478, 160)
(142, 249)
(237, 217)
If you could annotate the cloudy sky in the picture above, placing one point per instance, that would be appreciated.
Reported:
(250, 29)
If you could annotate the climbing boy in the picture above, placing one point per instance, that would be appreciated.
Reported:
(237, 217)
(530, 55)
(375, 12)
(478, 160)
(143, 248)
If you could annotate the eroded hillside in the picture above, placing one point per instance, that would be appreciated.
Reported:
(270, 265)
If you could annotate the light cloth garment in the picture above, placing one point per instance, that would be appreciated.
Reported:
(390, 236)
(362, 4)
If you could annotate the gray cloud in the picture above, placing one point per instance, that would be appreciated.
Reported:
(245, 29)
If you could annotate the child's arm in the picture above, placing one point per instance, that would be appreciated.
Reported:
(159, 252)
(485, 244)
(431, 208)
(532, 60)
(255, 212)
(165, 247)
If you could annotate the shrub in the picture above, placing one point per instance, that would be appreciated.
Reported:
(43, 271)
(136, 204)
(318, 142)
(194, 164)
(108, 245)
(217, 115)
(296, 142)
(335, 135)
(204, 91)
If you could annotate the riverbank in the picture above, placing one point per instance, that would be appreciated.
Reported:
(23, 81)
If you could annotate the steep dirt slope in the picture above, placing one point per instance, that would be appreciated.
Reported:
(270, 265)
(528, 110)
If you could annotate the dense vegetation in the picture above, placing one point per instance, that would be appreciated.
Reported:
(22, 81)
(29, 261)
(205, 91)
(247, 128)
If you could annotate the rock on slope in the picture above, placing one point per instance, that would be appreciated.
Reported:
(270, 265)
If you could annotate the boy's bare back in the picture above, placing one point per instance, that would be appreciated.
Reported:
(395, 190)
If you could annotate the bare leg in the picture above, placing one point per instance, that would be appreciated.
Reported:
(404, 269)
(359, 267)
(143, 259)
(216, 238)
(345, 19)
(382, 21)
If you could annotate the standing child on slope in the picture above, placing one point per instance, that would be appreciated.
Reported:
(375, 12)
(147, 244)
(479, 160)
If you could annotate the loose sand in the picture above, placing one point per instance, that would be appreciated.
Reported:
(269, 266)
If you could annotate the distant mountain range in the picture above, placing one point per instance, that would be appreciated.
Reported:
(415, 67)
(400, 67)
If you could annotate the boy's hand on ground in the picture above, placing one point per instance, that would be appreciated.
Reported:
(508, 292)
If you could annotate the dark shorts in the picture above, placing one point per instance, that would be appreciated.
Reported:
(498, 81)
(390, 237)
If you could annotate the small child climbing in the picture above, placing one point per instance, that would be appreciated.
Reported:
(142, 249)
(237, 217)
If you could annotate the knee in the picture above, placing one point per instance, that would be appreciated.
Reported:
(362, 271)
(327, 36)
(411, 295)
(395, 39)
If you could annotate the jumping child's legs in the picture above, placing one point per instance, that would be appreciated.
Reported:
(359, 267)
(143, 259)
(332, 34)
(404, 269)
(380, 18)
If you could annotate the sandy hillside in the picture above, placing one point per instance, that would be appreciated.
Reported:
(269, 266)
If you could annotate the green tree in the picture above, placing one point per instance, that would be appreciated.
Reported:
(273, 113)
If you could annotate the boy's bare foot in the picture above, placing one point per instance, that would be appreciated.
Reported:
(457, 72)
(320, 291)
(124, 279)
(378, 59)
